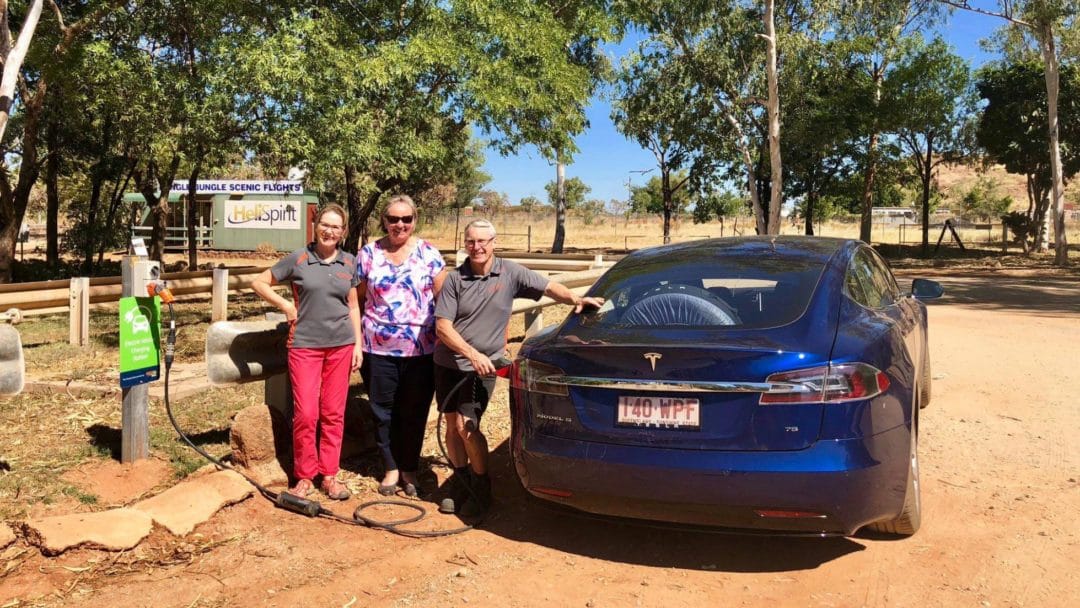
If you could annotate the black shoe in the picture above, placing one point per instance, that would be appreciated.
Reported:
(479, 500)
(459, 484)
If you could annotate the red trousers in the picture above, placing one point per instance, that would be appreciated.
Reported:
(320, 386)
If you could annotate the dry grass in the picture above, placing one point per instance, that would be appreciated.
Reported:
(609, 233)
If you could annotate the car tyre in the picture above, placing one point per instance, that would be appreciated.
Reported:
(910, 518)
(924, 383)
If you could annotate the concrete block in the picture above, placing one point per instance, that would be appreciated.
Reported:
(245, 351)
(12, 364)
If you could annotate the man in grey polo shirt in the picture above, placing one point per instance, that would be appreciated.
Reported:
(472, 312)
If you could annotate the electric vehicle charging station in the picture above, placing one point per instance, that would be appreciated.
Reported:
(139, 352)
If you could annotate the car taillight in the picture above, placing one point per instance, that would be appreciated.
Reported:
(530, 375)
(826, 384)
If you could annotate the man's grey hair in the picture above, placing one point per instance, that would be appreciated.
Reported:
(480, 223)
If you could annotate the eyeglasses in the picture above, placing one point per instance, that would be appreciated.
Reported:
(393, 219)
(331, 229)
(478, 242)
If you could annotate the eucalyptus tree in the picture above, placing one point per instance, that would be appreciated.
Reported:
(660, 106)
(95, 120)
(1011, 127)
(192, 51)
(819, 132)
(689, 94)
(1051, 26)
(386, 92)
(59, 30)
(934, 88)
(574, 192)
(874, 34)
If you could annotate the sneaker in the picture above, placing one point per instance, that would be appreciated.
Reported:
(334, 489)
(458, 485)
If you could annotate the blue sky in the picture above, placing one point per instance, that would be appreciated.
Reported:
(606, 159)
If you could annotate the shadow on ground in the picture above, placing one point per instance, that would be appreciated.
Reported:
(520, 517)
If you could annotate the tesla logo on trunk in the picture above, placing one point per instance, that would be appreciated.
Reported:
(652, 357)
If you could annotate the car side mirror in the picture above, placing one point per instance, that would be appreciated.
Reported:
(925, 289)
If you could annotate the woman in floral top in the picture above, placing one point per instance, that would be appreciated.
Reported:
(397, 287)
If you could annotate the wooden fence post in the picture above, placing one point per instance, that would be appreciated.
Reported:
(219, 307)
(534, 321)
(79, 317)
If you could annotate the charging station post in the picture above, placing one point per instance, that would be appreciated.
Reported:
(137, 271)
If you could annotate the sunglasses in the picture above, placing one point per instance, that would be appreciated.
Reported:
(393, 219)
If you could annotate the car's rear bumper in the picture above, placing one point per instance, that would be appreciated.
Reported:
(850, 483)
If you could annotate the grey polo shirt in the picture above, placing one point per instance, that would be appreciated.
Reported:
(480, 306)
(320, 291)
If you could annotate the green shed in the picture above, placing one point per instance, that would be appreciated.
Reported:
(237, 215)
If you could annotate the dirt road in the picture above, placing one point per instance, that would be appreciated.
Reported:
(1001, 495)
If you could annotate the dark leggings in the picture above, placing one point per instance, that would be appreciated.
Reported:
(399, 390)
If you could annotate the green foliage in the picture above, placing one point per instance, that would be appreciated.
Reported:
(1023, 228)
(576, 191)
(590, 210)
(984, 201)
(650, 197)
(1012, 128)
(717, 205)
(530, 204)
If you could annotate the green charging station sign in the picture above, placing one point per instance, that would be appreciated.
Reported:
(140, 340)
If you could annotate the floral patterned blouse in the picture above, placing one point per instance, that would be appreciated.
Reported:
(399, 307)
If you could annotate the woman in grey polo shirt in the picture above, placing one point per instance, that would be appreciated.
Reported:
(324, 347)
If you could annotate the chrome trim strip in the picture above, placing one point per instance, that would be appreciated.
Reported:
(694, 386)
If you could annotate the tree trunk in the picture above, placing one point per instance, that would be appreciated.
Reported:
(808, 212)
(927, 176)
(1050, 60)
(357, 234)
(52, 204)
(751, 174)
(777, 194)
(159, 202)
(13, 201)
(666, 195)
(867, 205)
(96, 177)
(115, 199)
(560, 208)
(13, 64)
(192, 210)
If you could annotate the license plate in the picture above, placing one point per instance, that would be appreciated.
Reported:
(661, 412)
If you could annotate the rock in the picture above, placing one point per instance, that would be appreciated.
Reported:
(258, 434)
(182, 507)
(114, 530)
(6, 536)
(269, 473)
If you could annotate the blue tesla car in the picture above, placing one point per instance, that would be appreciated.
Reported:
(758, 384)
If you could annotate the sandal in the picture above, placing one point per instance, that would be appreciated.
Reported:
(302, 488)
(334, 489)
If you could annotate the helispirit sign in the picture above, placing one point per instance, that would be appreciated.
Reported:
(267, 215)
(240, 186)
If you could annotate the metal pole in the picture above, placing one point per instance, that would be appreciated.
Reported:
(528, 239)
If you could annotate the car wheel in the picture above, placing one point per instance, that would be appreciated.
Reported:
(910, 518)
(924, 383)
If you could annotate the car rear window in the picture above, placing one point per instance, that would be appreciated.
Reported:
(764, 291)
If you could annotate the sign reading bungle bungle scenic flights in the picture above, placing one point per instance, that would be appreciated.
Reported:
(264, 214)
(240, 186)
